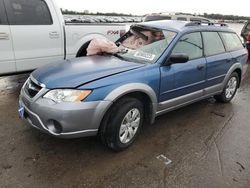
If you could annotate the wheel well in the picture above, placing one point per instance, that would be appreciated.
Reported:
(83, 50)
(238, 71)
(146, 101)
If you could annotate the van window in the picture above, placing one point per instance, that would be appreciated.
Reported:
(190, 44)
(28, 12)
(199, 20)
(182, 18)
(232, 41)
(212, 43)
(3, 18)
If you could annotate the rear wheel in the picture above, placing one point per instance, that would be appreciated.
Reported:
(230, 89)
(122, 124)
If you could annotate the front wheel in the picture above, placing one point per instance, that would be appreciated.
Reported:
(122, 124)
(230, 89)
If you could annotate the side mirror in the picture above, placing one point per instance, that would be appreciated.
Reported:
(177, 58)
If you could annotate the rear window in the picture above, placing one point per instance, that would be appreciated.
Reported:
(212, 43)
(156, 17)
(182, 18)
(199, 20)
(232, 41)
(28, 12)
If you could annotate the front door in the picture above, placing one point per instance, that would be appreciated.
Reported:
(7, 59)
(181, 83)
(36, 32)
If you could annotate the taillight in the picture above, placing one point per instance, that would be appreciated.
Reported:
(248, 37)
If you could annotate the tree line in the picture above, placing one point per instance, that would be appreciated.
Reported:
(225, 17)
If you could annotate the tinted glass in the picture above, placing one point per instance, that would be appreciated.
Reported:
(182, 18)
(153, 18)
(3, 19)
(28, 12)
(190, 44)
(212, 43)
(231, 41)
(199, 20)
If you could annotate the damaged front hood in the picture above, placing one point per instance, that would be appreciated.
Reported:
(74, 73)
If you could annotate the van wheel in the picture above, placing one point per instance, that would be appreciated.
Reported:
(122, 124)
(230, 89)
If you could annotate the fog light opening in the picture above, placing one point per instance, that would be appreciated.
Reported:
(55, 127)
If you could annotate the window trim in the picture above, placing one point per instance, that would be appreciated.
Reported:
(202, 56)
(220, 39)
(3, 13)
(227, 50)
(10, 15)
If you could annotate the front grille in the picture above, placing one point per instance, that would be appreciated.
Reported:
(31, 88)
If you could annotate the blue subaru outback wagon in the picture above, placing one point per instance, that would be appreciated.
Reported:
(161, 66)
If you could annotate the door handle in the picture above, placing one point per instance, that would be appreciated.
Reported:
(200, 67)
(54, 35)
(4, 36)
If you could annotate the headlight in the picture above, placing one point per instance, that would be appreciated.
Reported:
(67, 95)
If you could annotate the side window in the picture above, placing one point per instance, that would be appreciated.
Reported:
(3, 18)
(191, 44)
(28, 12)
(212, 43)
(232, 41)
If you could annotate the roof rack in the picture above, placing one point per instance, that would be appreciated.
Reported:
(197, 23)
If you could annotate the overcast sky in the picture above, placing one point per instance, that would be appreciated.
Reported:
(140, 7)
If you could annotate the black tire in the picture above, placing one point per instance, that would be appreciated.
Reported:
(222, 97)
(111, 124)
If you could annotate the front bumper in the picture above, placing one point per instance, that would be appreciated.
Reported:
(65, 120)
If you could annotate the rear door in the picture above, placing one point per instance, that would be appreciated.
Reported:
(37, 34)
(7, 59)
(218, 60)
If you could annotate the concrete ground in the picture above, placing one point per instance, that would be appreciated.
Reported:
(207, 142)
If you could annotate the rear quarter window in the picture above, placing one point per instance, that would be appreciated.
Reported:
(232, 41)
(213, 44)
(28, 12)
